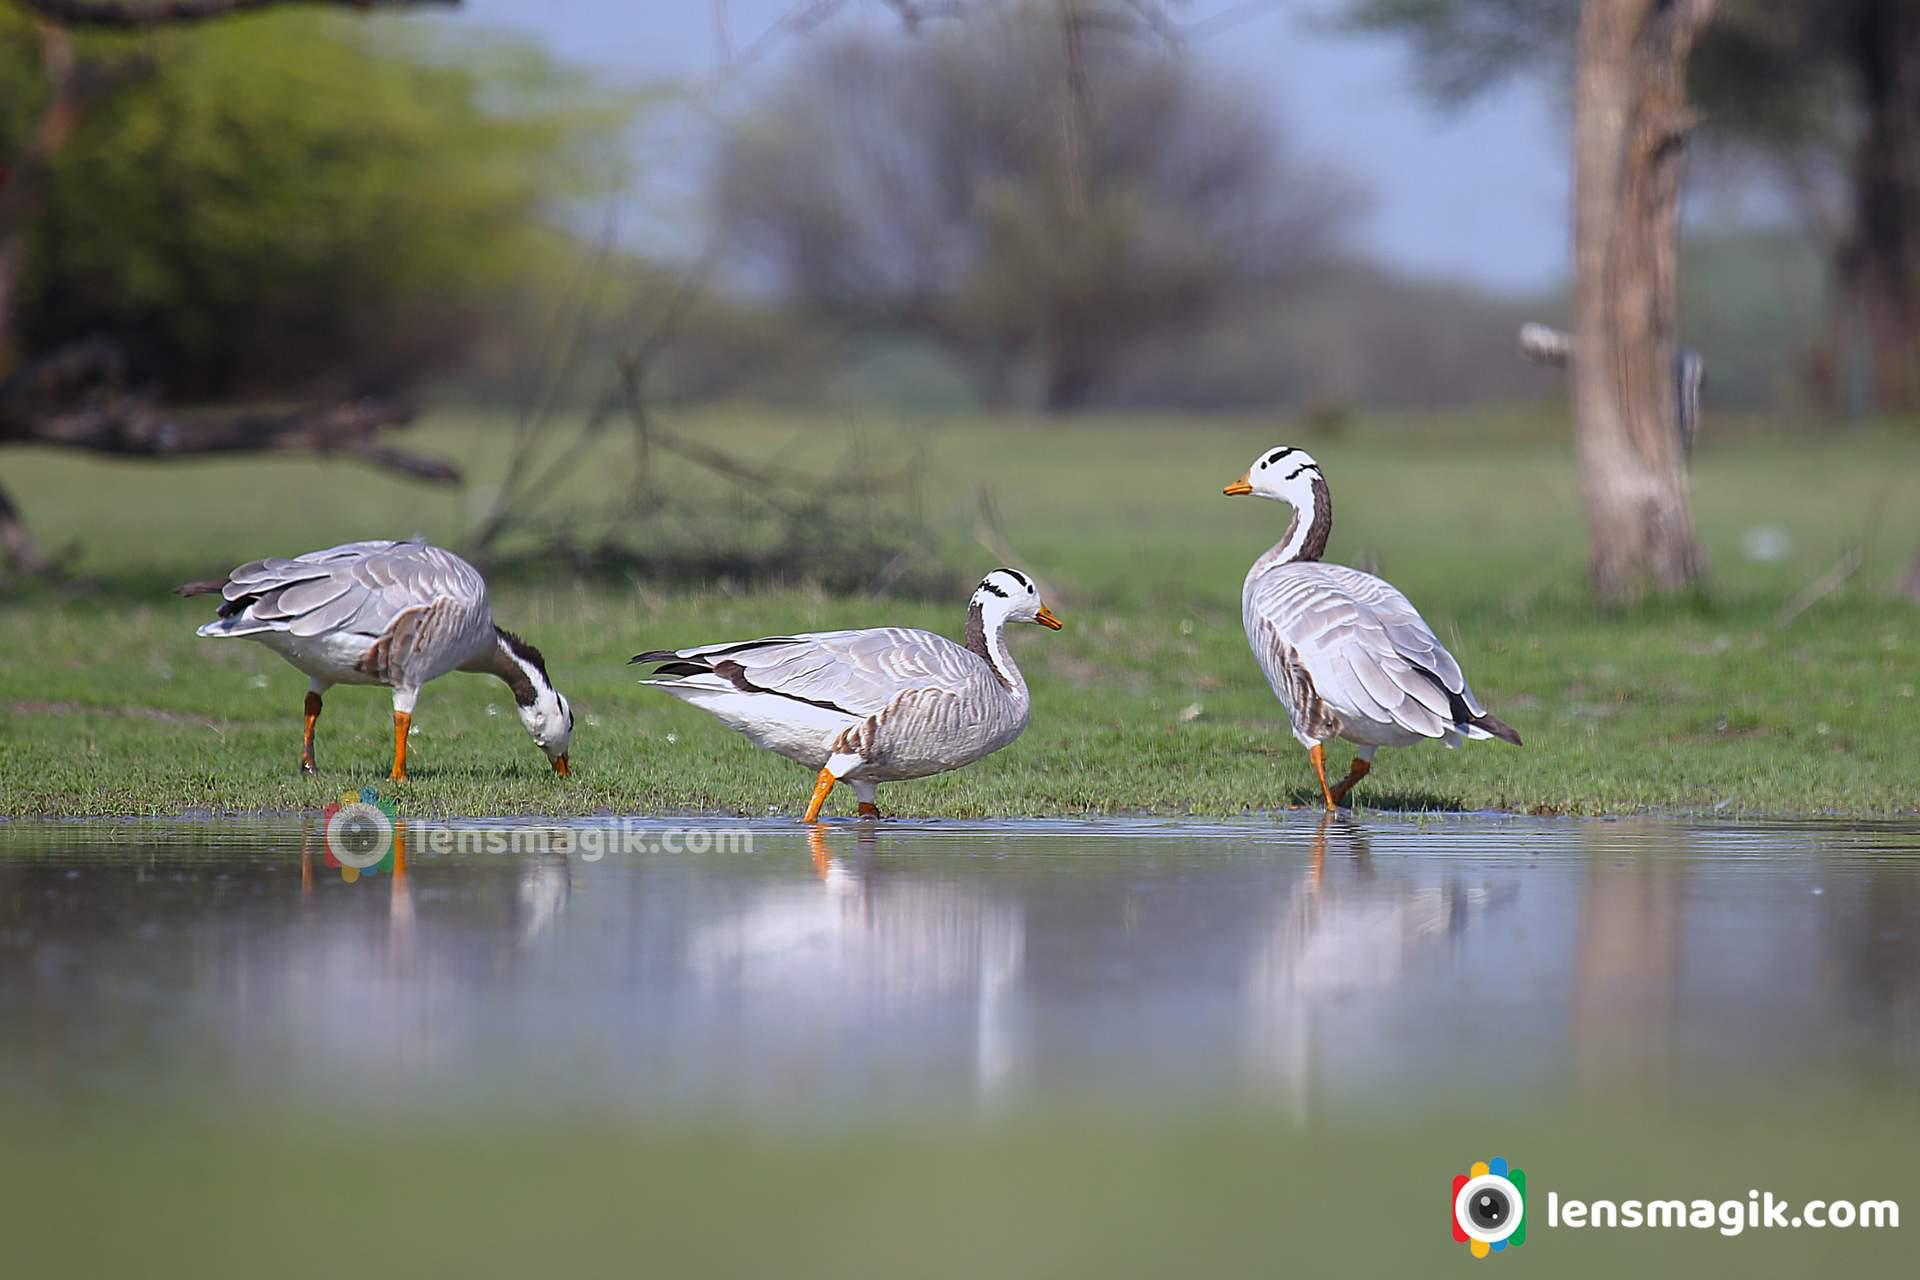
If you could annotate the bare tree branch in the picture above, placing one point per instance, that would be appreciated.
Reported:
(914, 12)
(72, 400)
(129, 426)
(129, 15)
(1225, 20)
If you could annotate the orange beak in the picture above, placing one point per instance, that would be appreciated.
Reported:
(561, 767)
(1046, 619)
(1243, 485)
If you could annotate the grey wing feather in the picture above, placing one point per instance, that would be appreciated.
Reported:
(859, 672)
(1367, 649)
(359, 587)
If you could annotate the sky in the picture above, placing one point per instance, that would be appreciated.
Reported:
(1478, 195)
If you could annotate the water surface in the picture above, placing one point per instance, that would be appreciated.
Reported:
(1613, 996)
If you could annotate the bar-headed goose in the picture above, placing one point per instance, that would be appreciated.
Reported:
(1347, 654)
(879, 705)
(392, 613)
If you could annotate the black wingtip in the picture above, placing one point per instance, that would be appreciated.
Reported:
(1498, 728)
(653, 655)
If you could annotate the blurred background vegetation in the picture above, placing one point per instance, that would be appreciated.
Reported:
(300, 203)
(303, 203)
(292, 228)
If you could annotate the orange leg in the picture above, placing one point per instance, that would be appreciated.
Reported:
(1359, 770)
(1319, 756)
(821, 786)
(1319, 852)
(306, 744)
(868, 809)
(402, 720)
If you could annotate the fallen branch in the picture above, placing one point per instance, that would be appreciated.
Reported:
(74, 399)
(129, 426)
(1821, 587)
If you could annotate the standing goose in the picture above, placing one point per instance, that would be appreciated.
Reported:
(1346, 653)
(392, 613)
(879, 705)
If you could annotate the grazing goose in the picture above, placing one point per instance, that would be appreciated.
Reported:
(1347, 654)
(392, 613)
(872, 706)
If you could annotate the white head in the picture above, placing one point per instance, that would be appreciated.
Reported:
(544, 710)
(1282, 473)
(1290, 475)
(1008, 595)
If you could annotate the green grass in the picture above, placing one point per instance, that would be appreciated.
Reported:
(1148, 701)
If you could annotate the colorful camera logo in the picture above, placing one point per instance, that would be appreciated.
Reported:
(359, 831)
(1490, 1207)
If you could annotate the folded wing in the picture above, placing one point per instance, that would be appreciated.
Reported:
(357, 587)
(1368, 651)
(857, 672)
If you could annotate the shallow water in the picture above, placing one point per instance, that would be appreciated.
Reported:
(946, 965)
(1319, 977)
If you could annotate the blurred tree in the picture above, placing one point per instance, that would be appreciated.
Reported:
(267, 199)
(1037, 191)
(1829, 90)
(299, 202)
(1630, 123)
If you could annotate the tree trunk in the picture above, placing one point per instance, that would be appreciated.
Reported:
(1885, 40)
(9, 282)
(1630, 126)
(1070, 380)
(18, 550)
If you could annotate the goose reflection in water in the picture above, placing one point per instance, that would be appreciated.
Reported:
(868, 950)
(366, 989)
(1350, 935)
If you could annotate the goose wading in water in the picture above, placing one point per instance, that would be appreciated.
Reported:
(392, 613)
(878, 705)
(1347, 655)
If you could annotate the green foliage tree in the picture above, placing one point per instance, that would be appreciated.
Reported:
(300, 201)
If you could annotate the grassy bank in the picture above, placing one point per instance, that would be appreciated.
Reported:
(1149, 700)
